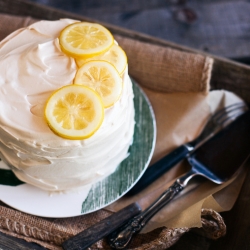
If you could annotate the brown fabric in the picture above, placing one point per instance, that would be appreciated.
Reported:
(52, 232)
(8, 24)
(157, 68)
(165, 69)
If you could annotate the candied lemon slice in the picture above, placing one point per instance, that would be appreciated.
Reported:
(102, 77)
(115, 55)
(83, 39)
(74, 112)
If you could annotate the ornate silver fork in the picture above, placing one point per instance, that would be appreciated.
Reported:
(216, 122)
(105, 227)
(218, 159)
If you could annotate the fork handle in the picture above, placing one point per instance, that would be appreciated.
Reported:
(120, 238)
(160, 167)
(101, 229)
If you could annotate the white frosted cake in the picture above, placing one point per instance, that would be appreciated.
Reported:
(32, 66)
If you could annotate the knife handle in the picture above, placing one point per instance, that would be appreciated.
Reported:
(160, 167)
(91, 235)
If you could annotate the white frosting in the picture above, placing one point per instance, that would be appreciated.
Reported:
(32, 66)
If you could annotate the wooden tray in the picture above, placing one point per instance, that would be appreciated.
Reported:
(226, 74)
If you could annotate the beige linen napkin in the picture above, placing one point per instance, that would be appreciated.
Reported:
(177, 84)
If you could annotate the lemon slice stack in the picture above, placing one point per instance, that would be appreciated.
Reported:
(115, 55)
(76, 111)
(102, 77)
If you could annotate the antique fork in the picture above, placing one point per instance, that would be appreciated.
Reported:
(105, 227)
(216, 122)
(218, 160)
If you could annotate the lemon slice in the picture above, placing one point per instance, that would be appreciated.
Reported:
(74, 112)
(102, 77)
(83, 39)
(115, 55)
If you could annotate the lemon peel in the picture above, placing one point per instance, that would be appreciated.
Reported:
(84, 39)
(102, 77)
(115, 55)
(74, 112)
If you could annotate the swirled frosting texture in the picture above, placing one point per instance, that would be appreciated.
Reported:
(32, 66)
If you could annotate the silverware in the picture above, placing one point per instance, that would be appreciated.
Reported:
(88, 237)
(218, 121)
(218, 160)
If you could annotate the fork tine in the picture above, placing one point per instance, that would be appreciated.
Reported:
(231, 118)
(229, 108)
(229, 113)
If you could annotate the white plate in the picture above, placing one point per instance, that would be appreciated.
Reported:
(32, 200)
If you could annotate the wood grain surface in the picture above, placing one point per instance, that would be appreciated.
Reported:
(219, 27)
(11, 243)
(226, 74)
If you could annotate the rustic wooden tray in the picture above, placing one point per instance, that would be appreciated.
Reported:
(226, 74)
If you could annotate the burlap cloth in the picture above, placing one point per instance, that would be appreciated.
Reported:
(177, 84)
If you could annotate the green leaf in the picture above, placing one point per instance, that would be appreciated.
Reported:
(8, 178)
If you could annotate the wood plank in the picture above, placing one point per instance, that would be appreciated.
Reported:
(107, 6)
(218, 27)
(11, 243)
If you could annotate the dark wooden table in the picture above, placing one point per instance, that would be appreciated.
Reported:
(219, 27)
